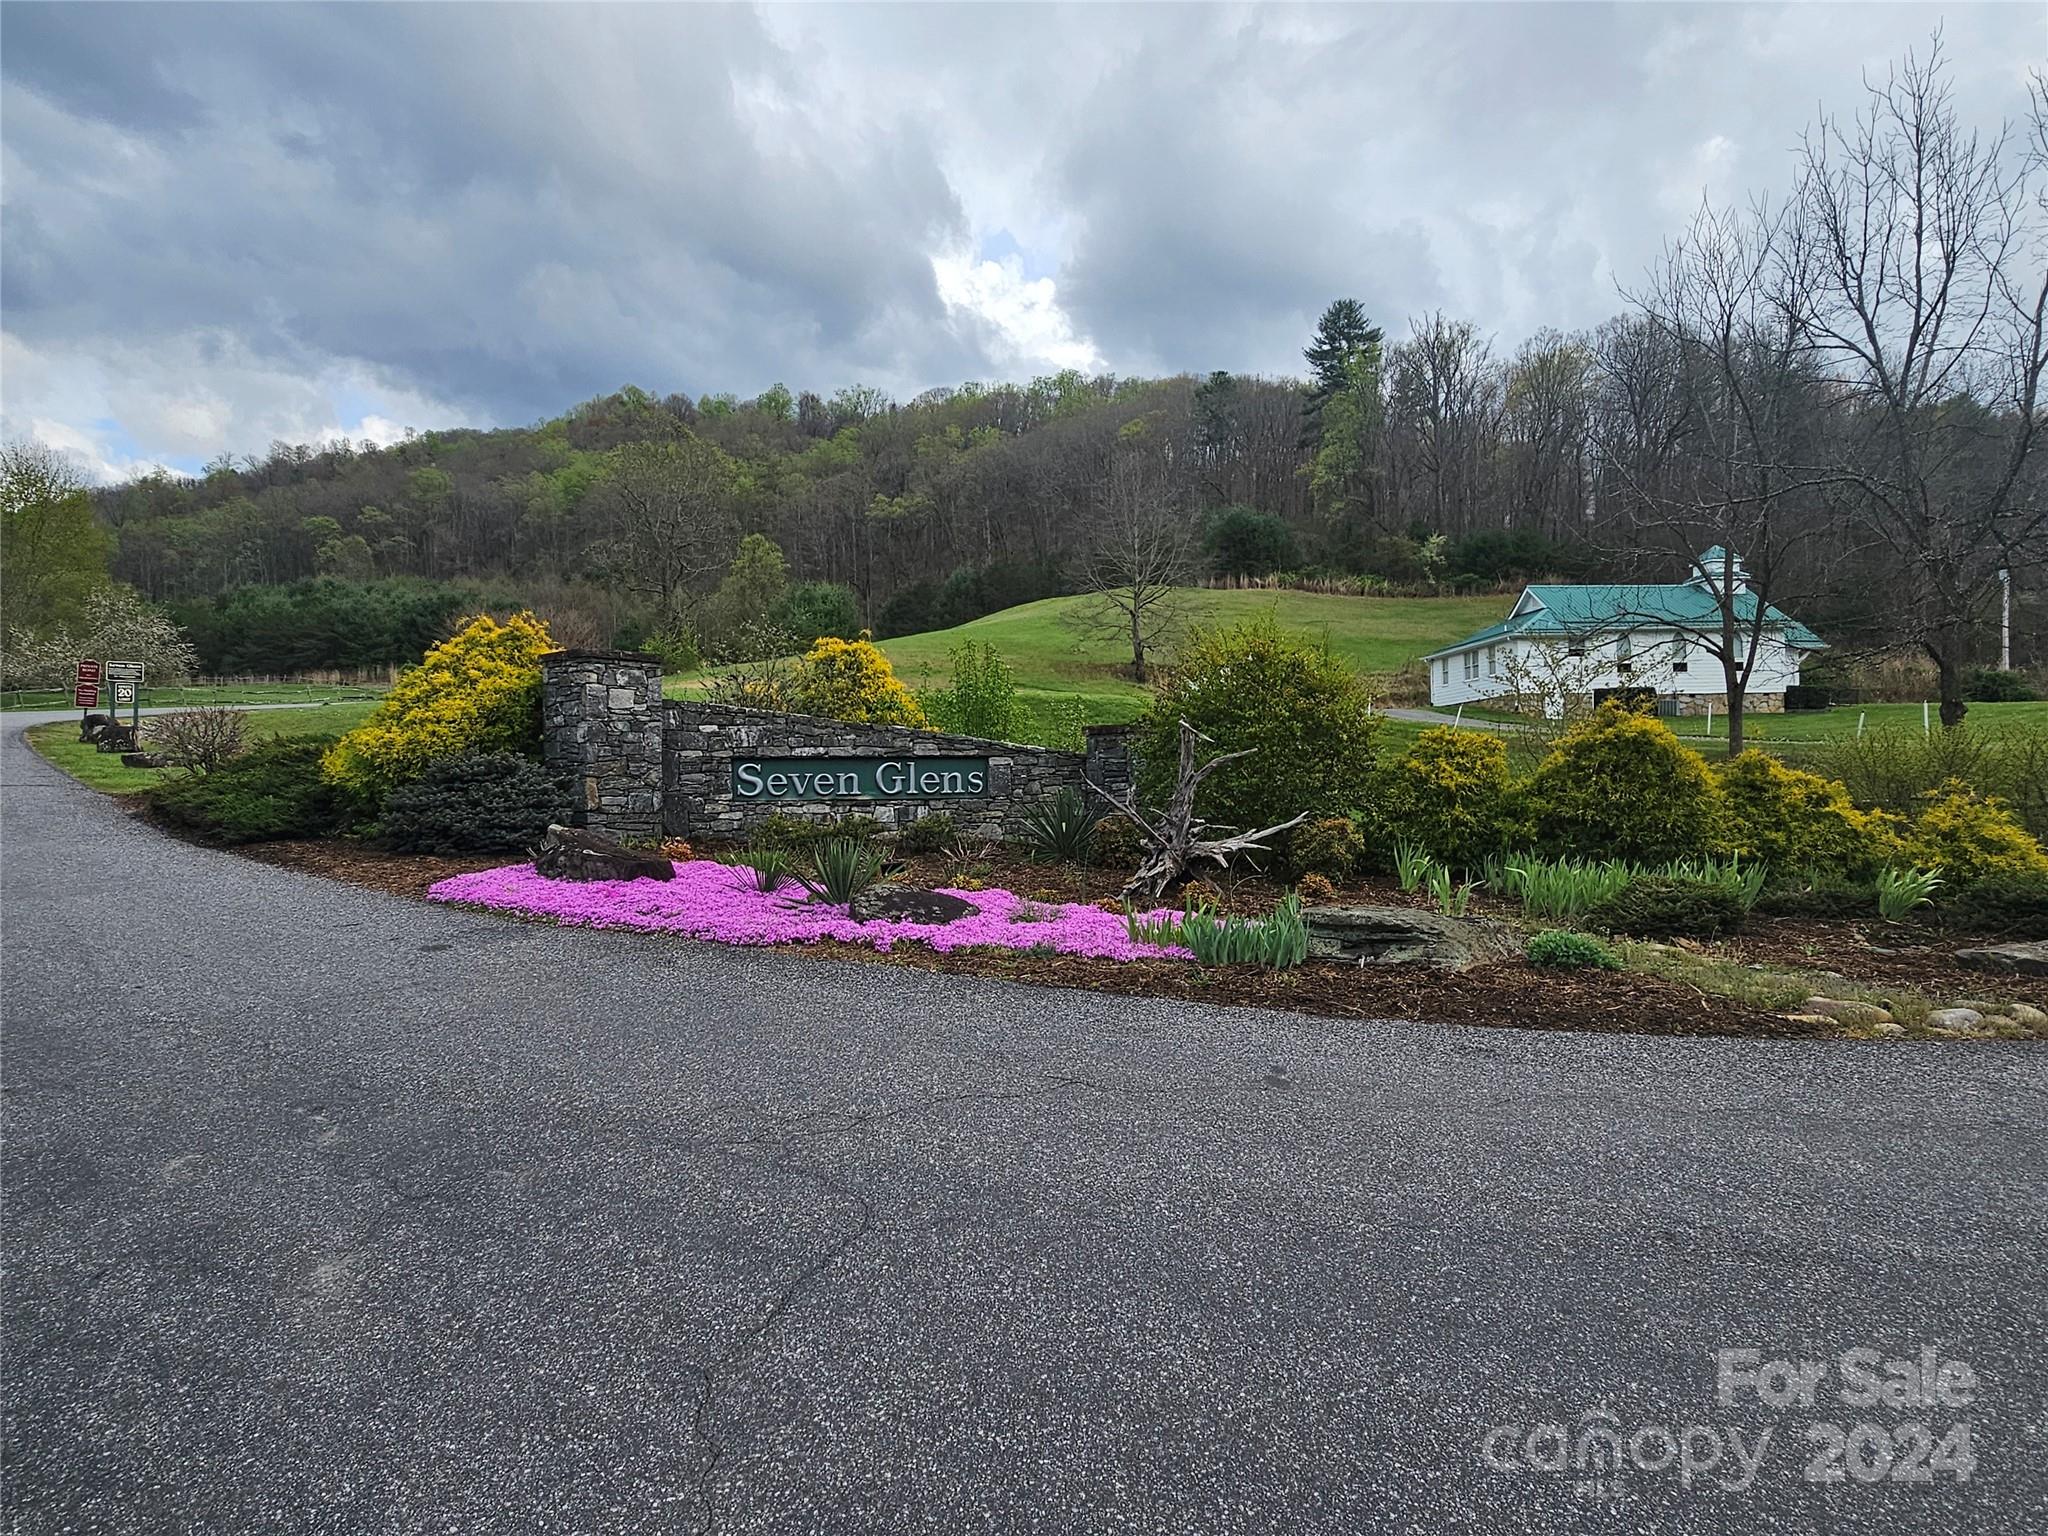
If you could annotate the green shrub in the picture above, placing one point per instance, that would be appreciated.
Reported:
(1117, 844)
(1451, 793)
(930, 834)
(477, 804)
(810, 610)
(2015, 906)
(1972, 837)
(1561, 950)
(1668, 906)
(1304, 716)
(851, 680)
(1987, 685)
(478, 691)
(274, 790)
(1786, 818)
(1330, 846)
(1819, 894)
(981, 700)
(1894, 770)
(1061, 829)
(1621, 785)
(798, 832)
(762, 867)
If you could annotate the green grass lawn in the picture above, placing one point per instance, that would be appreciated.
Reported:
(1816, 726)
(58, 741)
(216, 693)
(1058, 657)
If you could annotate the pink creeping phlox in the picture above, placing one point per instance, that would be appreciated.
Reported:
(707, 900)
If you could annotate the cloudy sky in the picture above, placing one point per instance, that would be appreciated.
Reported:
(224, 226)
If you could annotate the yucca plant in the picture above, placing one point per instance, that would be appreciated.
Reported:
(1413, 865)
(1900, 892)
(1061, 830)
(843, 867)
(762, 866)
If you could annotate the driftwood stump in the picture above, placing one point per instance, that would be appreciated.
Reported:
(570, 853)
(1175, 841)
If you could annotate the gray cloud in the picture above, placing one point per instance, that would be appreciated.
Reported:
(228, 223)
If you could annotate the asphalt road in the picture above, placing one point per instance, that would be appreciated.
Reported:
(326, 1211)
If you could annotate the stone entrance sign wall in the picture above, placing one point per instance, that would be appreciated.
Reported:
(729, 768)
(639, 766)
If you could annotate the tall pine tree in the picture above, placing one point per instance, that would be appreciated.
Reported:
(1341, 334)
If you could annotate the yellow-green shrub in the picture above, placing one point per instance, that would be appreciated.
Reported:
(1792, 820)
(1620, 786)
(477, 691)
(851, 680)
(1303, 715)
(1451, 794)
(1972, 837)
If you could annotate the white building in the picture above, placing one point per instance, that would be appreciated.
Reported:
(1586, 642)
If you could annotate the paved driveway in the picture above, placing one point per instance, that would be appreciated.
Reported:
(330, 1212)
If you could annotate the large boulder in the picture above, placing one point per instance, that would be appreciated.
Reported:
(907, 904)
(1401, 936)
(2024, 959)
(571, 853)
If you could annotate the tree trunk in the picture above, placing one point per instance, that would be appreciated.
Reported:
(1137, 645)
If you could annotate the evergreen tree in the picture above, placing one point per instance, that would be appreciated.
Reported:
(1341, 334)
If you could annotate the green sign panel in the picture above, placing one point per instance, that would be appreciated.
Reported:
(858, 778)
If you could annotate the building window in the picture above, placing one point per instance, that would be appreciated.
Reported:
(1492, 662)
(1444, 670)
(1575, 648)
(1471, 665)
(1678, 666)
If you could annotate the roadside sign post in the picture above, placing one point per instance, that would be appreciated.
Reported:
(126, 678)
(85, 688)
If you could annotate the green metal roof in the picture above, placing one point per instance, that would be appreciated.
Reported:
(1580, 610)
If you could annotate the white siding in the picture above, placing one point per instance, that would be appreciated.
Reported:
(1654, 658)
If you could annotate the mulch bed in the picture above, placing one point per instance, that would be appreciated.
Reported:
(1506, 995)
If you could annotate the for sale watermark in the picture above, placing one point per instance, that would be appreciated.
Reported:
(1865, 1416)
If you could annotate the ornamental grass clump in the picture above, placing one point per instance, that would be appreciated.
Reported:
(763, 866)
(1901, 892)
(1275, 942)
(1563, 890)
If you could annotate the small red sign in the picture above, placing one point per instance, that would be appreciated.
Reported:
(88, 672)
(86, 696)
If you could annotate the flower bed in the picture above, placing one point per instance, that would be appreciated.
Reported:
(712, 901)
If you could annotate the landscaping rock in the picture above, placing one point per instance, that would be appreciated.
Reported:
(1954, 1020)
(570, 853)
(1400, 936)
(907, 904)
(2027, 1014)
(2026, 959)
(1884, 1029)
(144, 760)
(1846, 1011)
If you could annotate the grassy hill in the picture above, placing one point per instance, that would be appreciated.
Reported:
(1057, 654)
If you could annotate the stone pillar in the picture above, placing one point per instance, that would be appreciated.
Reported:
(600, 717)
(1108, 763)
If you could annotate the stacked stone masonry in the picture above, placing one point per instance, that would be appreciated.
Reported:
(704, 739)
(601, 726)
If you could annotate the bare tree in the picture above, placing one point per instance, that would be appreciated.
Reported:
(1140, 556)
(671, 517)
(1730, 301)
(1930, 252)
